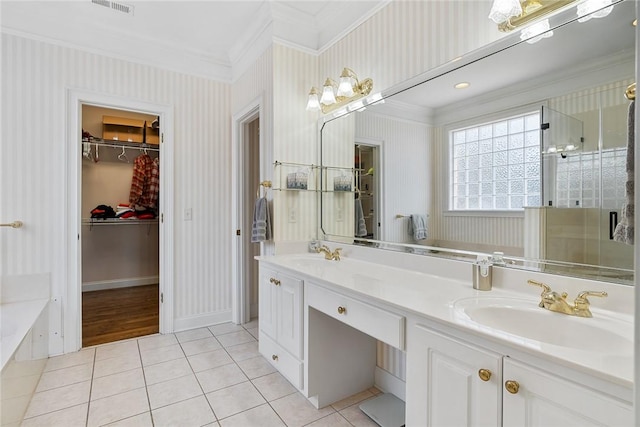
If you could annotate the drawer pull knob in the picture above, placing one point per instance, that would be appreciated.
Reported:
(512, 386)
(484, 374)
(275, 281)
(274, 357)
(342, 310)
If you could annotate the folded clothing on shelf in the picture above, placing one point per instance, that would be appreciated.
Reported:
(103, 212)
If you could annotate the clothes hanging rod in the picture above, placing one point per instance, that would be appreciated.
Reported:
(125, 144)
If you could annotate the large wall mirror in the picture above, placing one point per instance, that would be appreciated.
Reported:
(528, 159)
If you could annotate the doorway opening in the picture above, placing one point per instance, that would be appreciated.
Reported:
(368, 189)
(120, 189)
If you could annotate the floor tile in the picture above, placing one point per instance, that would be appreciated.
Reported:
(116, 365)
(192, 412)
(193, 334)
(65, 376)
(211, 359)
(117, 383)
(243, 351)
(355, 416)
(173, 391)
(262, 416)
(140, 420)
(24, 368)
(225, 328)
(119, 349)
(256, 367)
(12, 410)
(235, 399)
(220, 377)
(252, 324)
(71, 359)
(297, 411)
(352, 400)
(253, 332)
(118, 407)
(20, 386)
(166, 371)
(73, 416)
(333, 420)
(156, 341)
(235, 338)
(162, 354)
(200, 346)
(273, 386)
(58, 398)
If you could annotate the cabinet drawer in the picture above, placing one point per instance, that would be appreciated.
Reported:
(283, 361)
(374, 321)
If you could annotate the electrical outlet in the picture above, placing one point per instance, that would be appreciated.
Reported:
(292, 214)
(188, 214)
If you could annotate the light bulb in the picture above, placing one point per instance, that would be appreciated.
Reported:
(503, 10)
(345, 88)
(313, 104)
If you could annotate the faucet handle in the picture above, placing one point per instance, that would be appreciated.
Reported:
(545, 288)
(581, 303)
(582, 296)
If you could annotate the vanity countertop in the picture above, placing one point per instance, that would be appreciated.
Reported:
(434, 297)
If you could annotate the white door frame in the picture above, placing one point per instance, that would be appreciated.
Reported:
(241, 304)
(72, 300)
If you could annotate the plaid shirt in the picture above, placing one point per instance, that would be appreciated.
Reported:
(145, 184)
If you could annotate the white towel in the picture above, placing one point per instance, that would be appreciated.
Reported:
(624, 231)
(360, 225)
(418, 227)
(261, 226)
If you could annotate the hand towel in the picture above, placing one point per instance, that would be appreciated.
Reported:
(261, 226)
(360, 225)
(418, 227)
(624, 231)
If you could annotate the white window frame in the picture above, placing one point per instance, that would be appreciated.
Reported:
(446, 158)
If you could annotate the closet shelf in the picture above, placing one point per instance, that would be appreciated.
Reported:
(114, 143)
(118, 221)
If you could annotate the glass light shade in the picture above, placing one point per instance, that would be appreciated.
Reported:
(536, 32)
(313, 104)
(328, 97)
(593, 9)
(503, 10)
(345, 88)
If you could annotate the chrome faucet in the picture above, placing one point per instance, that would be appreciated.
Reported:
(554, 301)
(335, 255)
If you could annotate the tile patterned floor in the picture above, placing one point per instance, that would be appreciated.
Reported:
(203, 377)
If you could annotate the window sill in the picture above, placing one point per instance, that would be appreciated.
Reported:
(486, 214)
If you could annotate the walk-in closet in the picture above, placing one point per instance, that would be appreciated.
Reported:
(120, 224)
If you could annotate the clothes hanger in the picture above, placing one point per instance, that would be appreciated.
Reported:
(123, 156)
(96, 159)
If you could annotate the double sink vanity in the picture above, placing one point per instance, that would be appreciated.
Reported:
(472, 357)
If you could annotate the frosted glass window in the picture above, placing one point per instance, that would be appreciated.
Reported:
(496, 165)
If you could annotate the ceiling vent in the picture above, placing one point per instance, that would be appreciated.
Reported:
(114, 5)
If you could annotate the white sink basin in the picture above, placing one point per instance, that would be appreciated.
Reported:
(523, 318)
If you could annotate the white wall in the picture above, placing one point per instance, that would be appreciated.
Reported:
(35, 80)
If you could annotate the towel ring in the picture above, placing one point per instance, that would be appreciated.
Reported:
(630, 93)
(265, 184)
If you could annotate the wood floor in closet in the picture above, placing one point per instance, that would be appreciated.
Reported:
(118, 314)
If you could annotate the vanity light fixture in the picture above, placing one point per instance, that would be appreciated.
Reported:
(336, 95)
(510, 14)
(462, 85)
(593, 9)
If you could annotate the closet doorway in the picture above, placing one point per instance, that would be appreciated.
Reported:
(120, 238)
(246, 189)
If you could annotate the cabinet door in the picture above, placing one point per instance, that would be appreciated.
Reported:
(267, 302)
(444, 384)
(289, 316)
(544, 400)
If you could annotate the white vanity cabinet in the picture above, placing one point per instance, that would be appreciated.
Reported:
(280, 314)
(450, 382)
(542, 399)
(453, 382)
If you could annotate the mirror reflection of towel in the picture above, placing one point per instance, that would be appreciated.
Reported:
(360, 225)
(261, 226)
(624, 231)
(418, 227)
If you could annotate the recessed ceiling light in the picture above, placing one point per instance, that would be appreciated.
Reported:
(462, 85)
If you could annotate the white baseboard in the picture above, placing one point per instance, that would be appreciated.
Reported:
(202, 320)
(390, 383)
(101, 285)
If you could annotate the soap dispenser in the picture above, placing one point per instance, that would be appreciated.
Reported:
(482, 270)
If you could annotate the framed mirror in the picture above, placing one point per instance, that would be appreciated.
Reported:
(520, 148)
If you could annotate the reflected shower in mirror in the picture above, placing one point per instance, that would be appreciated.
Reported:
(527, 157)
